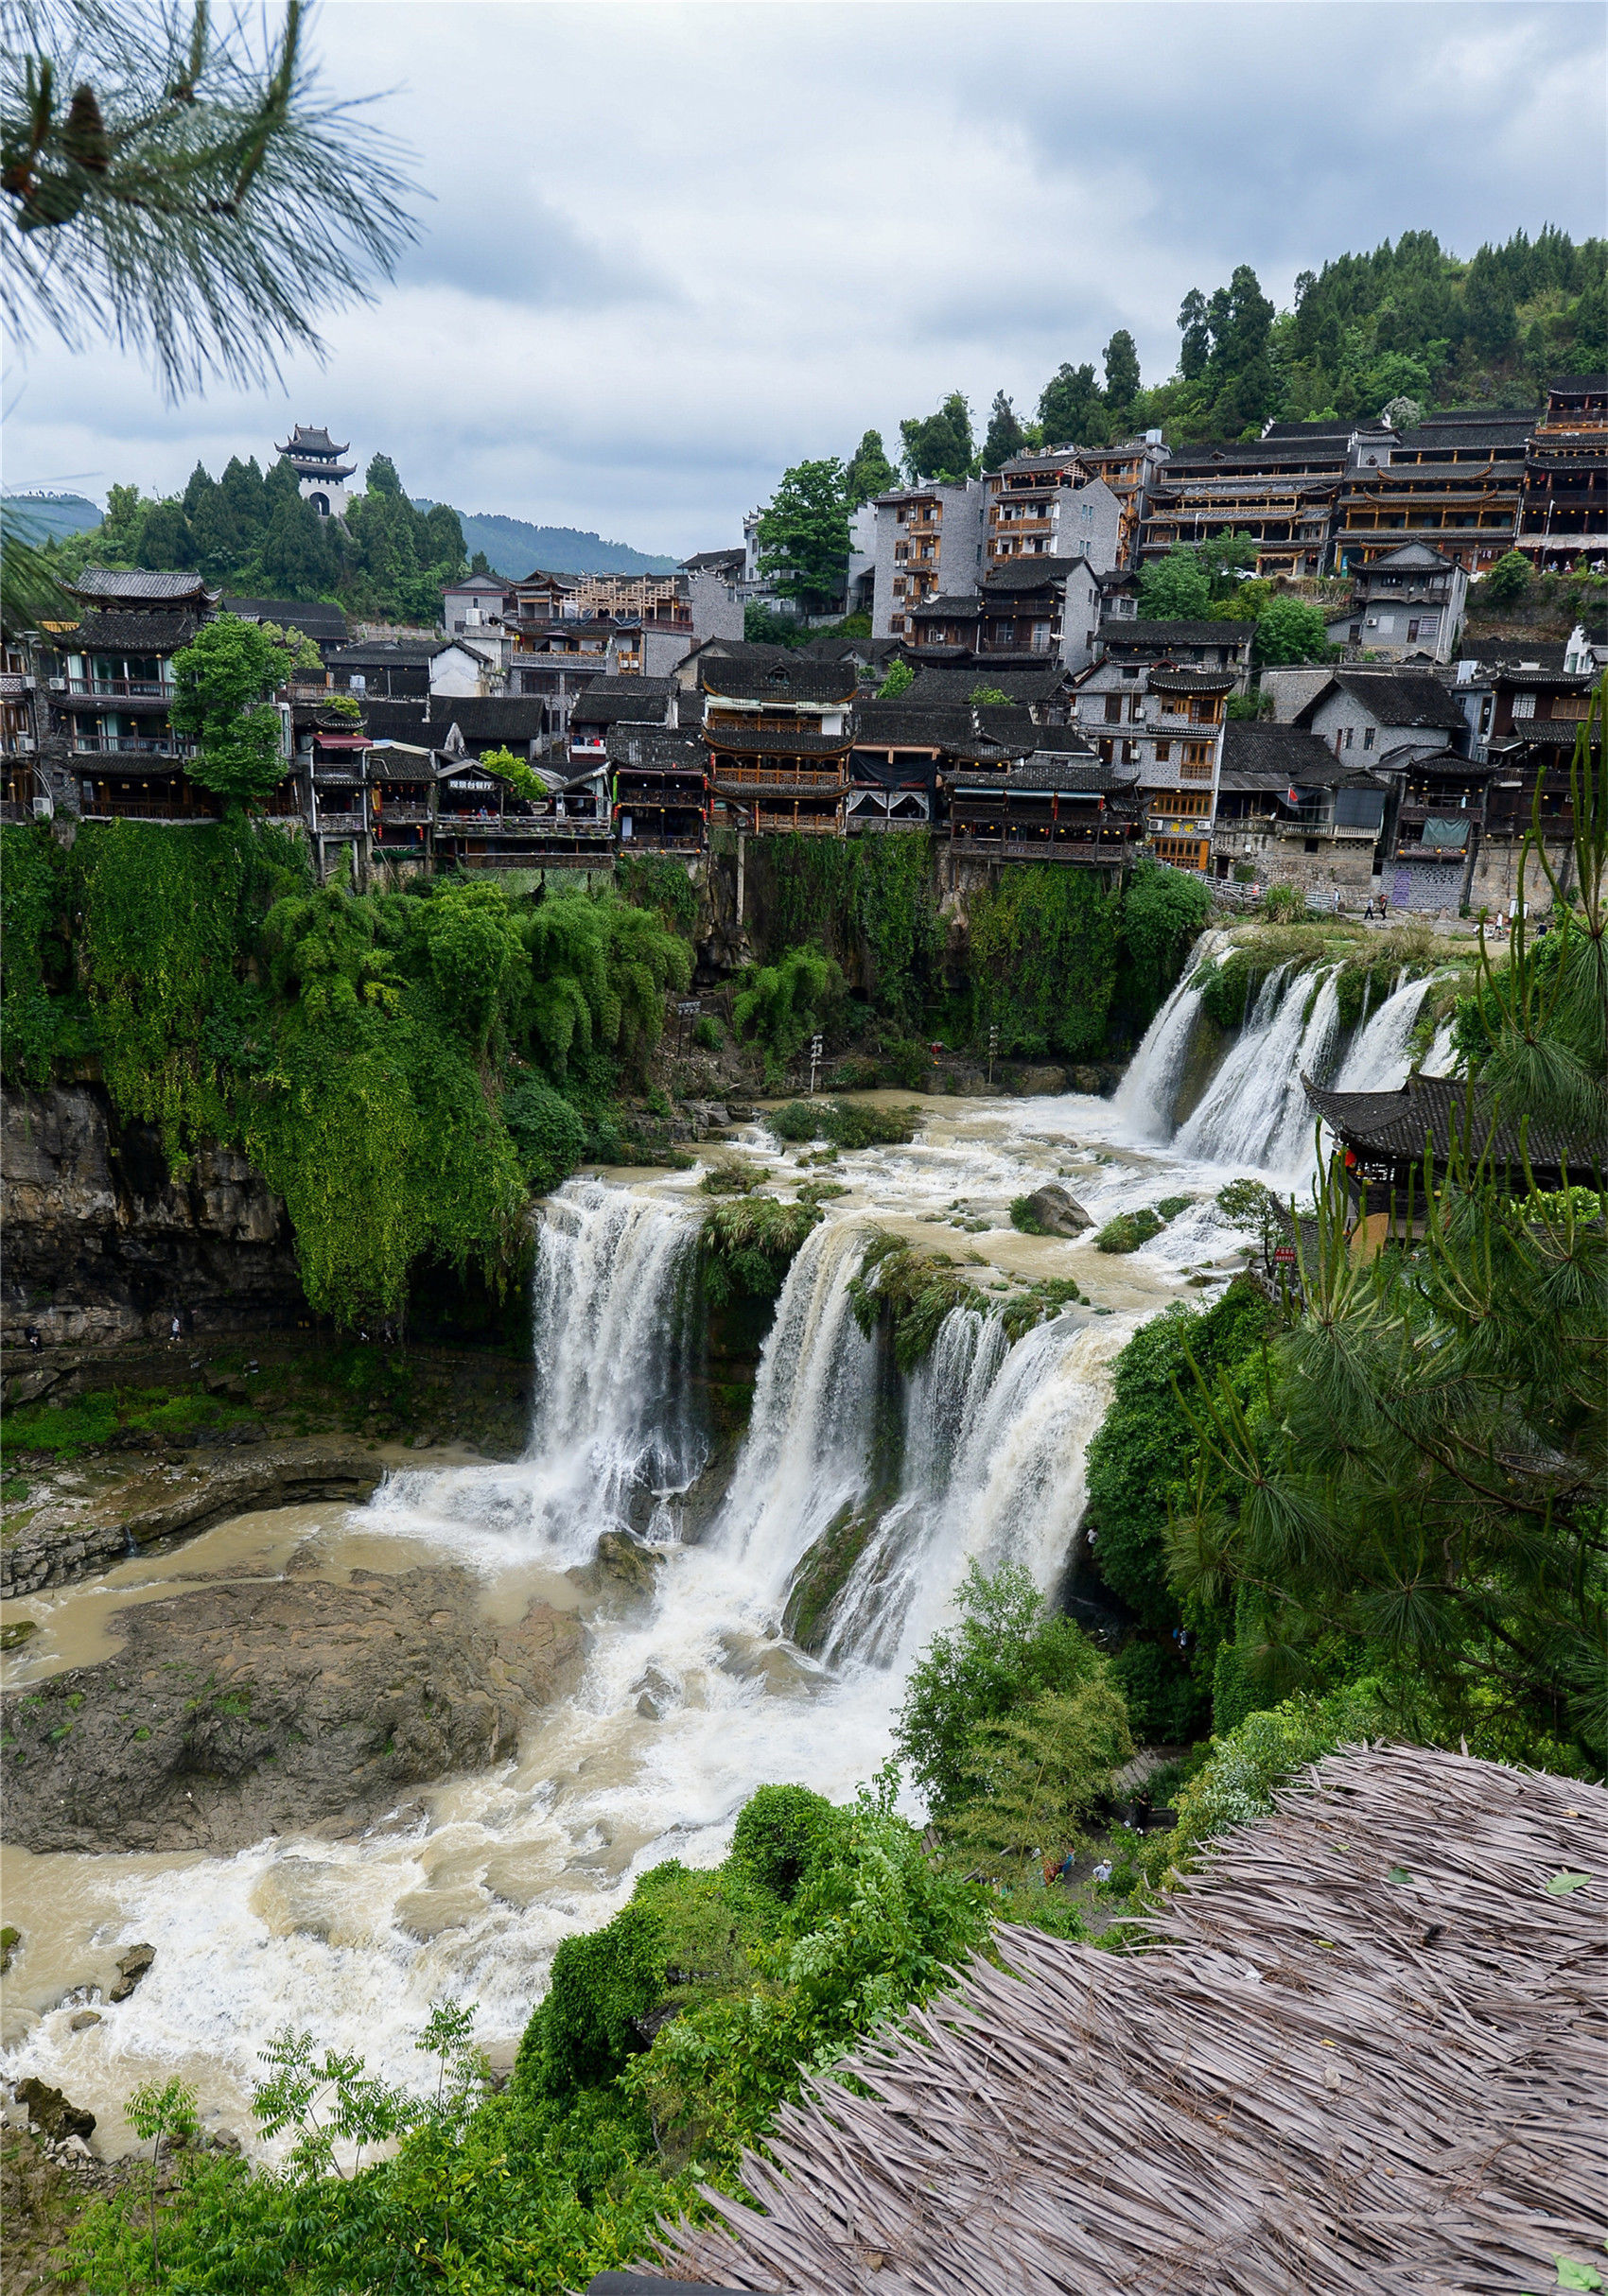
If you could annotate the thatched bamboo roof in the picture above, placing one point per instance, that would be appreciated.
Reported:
(1364, 2052)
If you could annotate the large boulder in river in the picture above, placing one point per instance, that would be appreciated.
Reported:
(1056, 1212)
(248, 1708)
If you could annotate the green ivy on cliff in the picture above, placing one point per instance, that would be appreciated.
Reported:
(1043, 960)
(355, 1045)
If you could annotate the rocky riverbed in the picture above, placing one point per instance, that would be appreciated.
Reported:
(242, 1710)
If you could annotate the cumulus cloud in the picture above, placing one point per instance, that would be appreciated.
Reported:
(670, 249)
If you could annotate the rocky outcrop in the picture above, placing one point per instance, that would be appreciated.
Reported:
(153, 1509)
(245, 1709)
(1056, 1212)
(104, 1242)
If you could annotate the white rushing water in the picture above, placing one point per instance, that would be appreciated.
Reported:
(694, 1694)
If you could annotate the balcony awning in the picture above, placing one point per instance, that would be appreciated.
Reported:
(323, 740)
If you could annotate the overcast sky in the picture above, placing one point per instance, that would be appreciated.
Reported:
(668, 250)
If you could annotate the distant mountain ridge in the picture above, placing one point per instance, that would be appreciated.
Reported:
(50, 514)
(515, 549)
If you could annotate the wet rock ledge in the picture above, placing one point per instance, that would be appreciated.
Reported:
(251, 1707)
(158, 1506)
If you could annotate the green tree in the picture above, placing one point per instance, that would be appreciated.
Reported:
(185, 190)
(779, 1004)
(1508, 581)
(476, 954)
(1175, 589)
(1033, 1777)
(869, 472)
(297, 557)
(1070, 410)
(1422, 1473)
(221, 682)
(1005, 435)
(940, 446)
(1004, 1652)
(1289, 630)
(804, 533)
(1122, 374)
(899, 679)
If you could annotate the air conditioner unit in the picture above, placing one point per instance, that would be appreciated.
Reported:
(44, 808)
(26, 744)
(58, 685)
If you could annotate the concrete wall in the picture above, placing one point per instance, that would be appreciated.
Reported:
(957, 562)
(717, 611)
(1342, 862)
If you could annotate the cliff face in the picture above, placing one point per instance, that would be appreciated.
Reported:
(102, 1243)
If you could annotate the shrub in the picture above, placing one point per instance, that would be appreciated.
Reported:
(801, 1120)
(1508, 581)
(1128, 1230)
(852, 1123)
(1165, 1705)
(911, 1294)
(1003, 1653)
(1282, 904)
(749, 1242)
(549, 1135)
(899, 679)
(1023, 1216)
(779, 1004)
(906, 1063)
(708, 1033)
(783, 1836)
(1288, 631)
(1236, 1786)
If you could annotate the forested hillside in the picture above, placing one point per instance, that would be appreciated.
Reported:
(1408, 321)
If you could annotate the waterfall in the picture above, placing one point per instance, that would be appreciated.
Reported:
(807, 1449)
(1442, 1053)
(995, 1443)
(1292, 1150)
(1213, 1129)
(1143, 1102)
(614, 1440)
(1378, 1060)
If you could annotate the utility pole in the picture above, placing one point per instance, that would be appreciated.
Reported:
(993, 1048)
(686, 1010)
(814, 1062)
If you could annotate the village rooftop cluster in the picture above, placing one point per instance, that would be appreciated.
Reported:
(1010, 700)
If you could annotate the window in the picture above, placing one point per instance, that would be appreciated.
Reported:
(1164, 752)
(1114, 710)
(1349, 733)
(1414, 626)
(1196, 764)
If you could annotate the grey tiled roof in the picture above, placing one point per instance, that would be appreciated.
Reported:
(133, 584)
(1402, 698)
(607, 700)
(1395, 1126)
(778, 678)
(1128, 630)
(134, 632)
(317, 619)
(664, 748)
(953, 682)
(1264, 755)
(1029, 573)
(1164, 680)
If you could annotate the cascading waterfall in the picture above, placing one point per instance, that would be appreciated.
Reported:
(1292, 1150)
(808, 1452)
(1378, 1059)
(613, 1439)
(1143, 1102)
(1214, 1127)
(995, 1442)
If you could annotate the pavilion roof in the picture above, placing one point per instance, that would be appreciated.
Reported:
(1358, 2053)
(1440, 1113)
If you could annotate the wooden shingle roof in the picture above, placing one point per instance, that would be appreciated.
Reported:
(1359, 2054)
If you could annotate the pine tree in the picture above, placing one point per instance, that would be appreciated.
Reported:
(1005, 435)
(869, 472)
(1122, 374)
(184, 190)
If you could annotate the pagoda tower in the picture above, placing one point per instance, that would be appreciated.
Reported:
(316, 460)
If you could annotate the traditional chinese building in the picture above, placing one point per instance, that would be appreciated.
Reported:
(1564, 510)
(1453, 483)
(1405, 602)
(779, 733)
(658, 787)
(317, 462)
(1054, 805)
